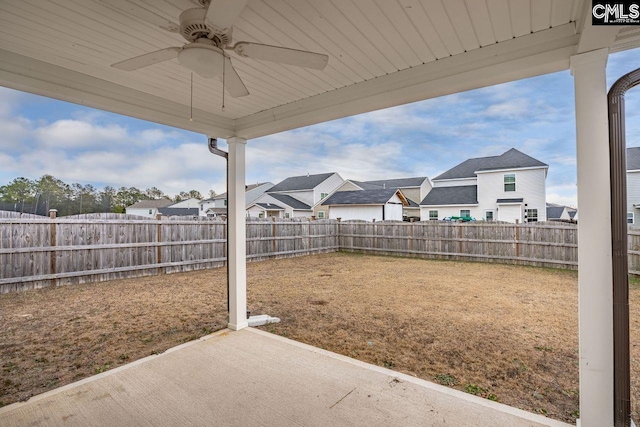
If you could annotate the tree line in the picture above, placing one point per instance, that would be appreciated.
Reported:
(38, 196)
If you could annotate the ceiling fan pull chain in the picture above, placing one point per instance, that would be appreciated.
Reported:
(191, 114)
(224, 62)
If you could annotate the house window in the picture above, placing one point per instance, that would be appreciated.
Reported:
(201, 207)
(532, 215)
(320, 214)
(286, 215)
(225, 202)
(433, 215)
(489, 215)
(260, 215)
(510, 182)
(150, 211)
(323, 195)
(629, 217)
(465, 212)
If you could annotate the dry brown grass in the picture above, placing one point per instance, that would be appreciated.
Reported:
(503, 332)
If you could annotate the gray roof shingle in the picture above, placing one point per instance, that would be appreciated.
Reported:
(633, 158)
(398, 182)
(554, 212)
(360, 197)
(290, 201)
(511, 159)
(151, 204)
(270, 206)
(305, 182)
(459, 195)
(179, 211)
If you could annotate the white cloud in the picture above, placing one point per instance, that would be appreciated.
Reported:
(64, 134)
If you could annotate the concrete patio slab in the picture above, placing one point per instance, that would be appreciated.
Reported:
(253, 378)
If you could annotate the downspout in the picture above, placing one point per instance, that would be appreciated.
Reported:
(213, 148)
(619, 242)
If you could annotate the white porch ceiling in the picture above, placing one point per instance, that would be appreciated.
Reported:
(381, 53)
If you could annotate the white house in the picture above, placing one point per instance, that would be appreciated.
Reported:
(148, 208)
(633, 185)
(217, 205)
(299, 194)
(368, 205)
(510, 187)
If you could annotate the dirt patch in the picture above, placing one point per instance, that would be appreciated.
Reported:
(502, 332)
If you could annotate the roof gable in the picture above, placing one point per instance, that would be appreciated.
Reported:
(511, 159)
(459, 195)
(299, 183)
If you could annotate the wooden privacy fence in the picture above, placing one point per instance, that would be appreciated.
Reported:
(37, 252)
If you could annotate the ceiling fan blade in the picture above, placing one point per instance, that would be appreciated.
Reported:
(283, 55)
(144, 14)
(223, 13)
(232, 81)
(147, 59)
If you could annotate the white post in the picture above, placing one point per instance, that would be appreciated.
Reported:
(237, 255)
(595, 282)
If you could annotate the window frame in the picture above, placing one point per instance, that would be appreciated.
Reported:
(486, 215)
(529, 216)
(287, 215)
(431, 212)
(633, 218)
(320, 214)
(323, 195)
(465, 210)
(505, 183)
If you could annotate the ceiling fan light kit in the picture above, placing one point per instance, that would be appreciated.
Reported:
(208, 31)
(204, 60)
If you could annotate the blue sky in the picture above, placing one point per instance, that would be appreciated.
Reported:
(536, 116)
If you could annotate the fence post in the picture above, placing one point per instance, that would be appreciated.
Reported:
(459, 237)
(273, 234)
(412, 226)
(517, 239)
(340, 239)
(52, 242)
(158, 247)
(309, 238)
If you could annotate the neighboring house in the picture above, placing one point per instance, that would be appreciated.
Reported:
(414, 189)
(291, 207)
(148, 208)
(510, 187)
(368, 205)
(217, 205)
(265, 210)
(560, 212)
(309, 190)
(633, 185)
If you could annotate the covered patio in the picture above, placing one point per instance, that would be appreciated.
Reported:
(380, 54)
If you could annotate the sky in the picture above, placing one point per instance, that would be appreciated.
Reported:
(74, 143)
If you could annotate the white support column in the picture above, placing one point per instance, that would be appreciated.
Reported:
(595, 280)
(237, 255)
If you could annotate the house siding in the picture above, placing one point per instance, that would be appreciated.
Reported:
(530, 186)
(326, 186)
(633, 194)
(143, 212)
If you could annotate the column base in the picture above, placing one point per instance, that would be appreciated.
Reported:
(239, 326)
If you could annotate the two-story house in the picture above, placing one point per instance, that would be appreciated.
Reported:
(633, 185)
(295, 196)
(148, 208)
(510, 187)
(217, 205)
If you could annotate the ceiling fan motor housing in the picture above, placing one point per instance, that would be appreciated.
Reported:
(194, 25)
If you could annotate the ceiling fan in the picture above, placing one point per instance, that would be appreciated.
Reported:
(208, 32)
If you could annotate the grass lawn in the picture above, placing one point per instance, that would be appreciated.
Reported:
(506, 333)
